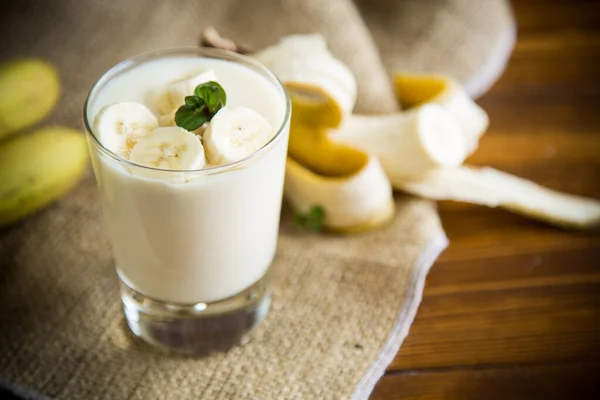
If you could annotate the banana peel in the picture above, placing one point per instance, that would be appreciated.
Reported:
(29, 90)
(38, 168)
(347, 183)
(490, 187)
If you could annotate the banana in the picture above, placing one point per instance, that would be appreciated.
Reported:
(407, 143)
(347, 183)
(415, 89)
(29, 90)
(347, 208)
(167, 119)
(169, 148)
(321, 84)
(490, 187)
(421, 150)
(234, 133)
(38, 168)
(174, 94)
(120, 126)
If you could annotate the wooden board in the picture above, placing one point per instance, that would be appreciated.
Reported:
(512, 309)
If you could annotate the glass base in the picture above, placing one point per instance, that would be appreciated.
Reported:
(196, 329)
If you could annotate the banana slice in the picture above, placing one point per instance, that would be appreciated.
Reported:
(169, 148)
(235, 133)
(174, 94)
(120, 126)
(167, 119)
(407, 143)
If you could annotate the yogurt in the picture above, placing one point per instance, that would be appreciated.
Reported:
(198, 236)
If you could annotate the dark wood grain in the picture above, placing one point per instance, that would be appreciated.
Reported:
(512, 309)
(508, 382)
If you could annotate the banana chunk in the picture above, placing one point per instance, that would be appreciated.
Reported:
(351, 204)
(120, 126)
(169, 148)
(345, 181)
(235, 133)
(416, 89)
(323, 85)
(174, 95)
(407, 143)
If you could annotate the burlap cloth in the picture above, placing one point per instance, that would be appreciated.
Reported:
(470, 40)
(342, 305)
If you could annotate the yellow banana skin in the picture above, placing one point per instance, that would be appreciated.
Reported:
(38, 168)
(29, 90)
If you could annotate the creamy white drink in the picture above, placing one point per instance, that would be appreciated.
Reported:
(199, 222)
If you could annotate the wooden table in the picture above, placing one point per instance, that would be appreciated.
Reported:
(511, 310)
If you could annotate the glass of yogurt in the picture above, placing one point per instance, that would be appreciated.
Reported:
(189, 147)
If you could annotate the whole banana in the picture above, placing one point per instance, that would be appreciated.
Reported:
(38, 168)
(29, 90)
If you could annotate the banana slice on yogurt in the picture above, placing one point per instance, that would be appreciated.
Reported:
(169, 148)
(235, 133)
(174, 95)
(120, 126)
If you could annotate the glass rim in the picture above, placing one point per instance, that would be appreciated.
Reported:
(226, 55)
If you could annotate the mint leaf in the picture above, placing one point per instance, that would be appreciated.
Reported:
(194, 101)
(213, 94)
(313, 221)
(193, 114)
(201, 107)
(299, 220)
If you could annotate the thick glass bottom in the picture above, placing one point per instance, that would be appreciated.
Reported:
(196, 329)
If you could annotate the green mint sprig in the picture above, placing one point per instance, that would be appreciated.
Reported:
(199, 108)
(313, 220)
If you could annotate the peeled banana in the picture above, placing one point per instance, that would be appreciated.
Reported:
(347, 183)
(415, 89)
(38, 168)
(322, 85)
(409, 142)
(29, 90)
(347, 209)
(421, 149)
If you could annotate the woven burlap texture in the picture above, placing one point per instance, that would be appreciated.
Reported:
(470, 40)
(341, 304)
